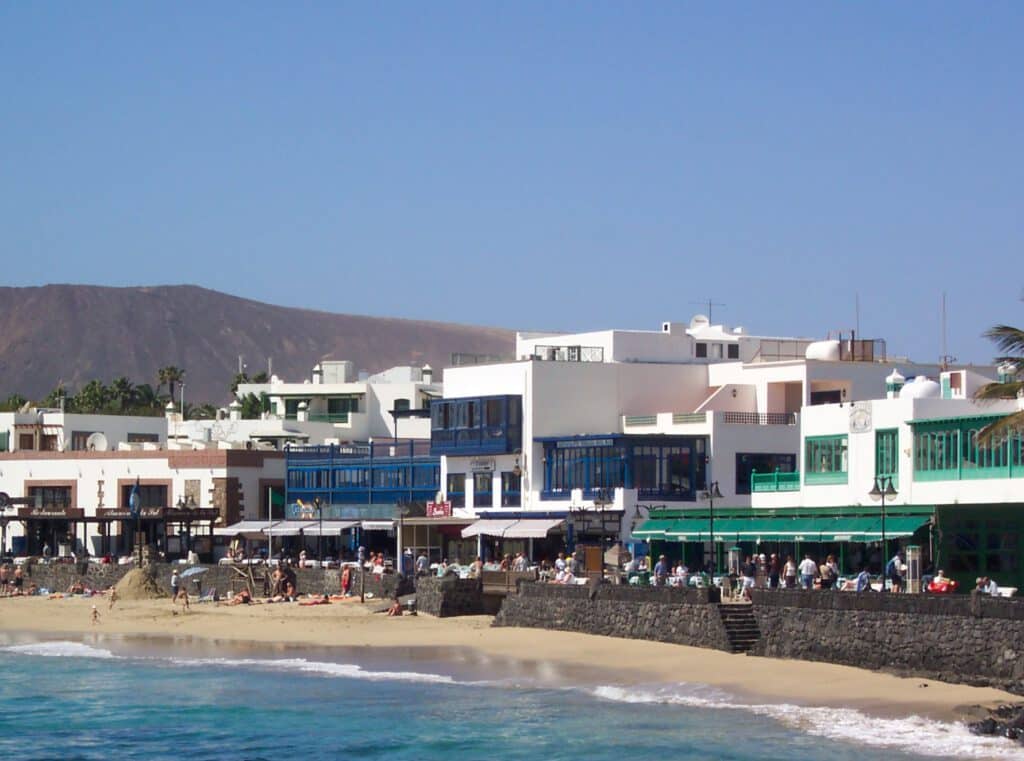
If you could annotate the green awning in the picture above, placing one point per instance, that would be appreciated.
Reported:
(790, 529)
(654, 528)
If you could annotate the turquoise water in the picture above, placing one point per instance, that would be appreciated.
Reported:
(131, 700)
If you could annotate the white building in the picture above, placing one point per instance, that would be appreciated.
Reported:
(587, 427)
(389, 404)
(51, 430)
(962, 499)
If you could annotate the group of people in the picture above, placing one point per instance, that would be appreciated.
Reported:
(12, 582)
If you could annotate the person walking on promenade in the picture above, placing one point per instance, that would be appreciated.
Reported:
(808, 570)
(789, 573)
(773, 571)
(660, 571)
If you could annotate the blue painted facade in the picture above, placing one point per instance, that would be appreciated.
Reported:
(361, 481)
(476, 425)
(669, 468)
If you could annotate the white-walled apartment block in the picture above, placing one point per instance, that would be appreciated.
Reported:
(389, 404)
(591, 425)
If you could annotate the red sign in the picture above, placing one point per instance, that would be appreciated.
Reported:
(439, 509)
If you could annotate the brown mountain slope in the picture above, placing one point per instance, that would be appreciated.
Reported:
(73, 333)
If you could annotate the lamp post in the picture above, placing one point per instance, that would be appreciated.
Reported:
(601, 501)
(711, 494)
(882, 488)
(320, 536)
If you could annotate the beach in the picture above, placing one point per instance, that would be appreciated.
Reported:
(597, 659)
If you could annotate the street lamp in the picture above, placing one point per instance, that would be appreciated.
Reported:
(711, 494)
(320, 536)
(882, 488)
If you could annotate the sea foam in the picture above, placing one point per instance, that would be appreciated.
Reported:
(913, 733)
(58, 649)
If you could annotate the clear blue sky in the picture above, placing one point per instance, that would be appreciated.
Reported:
(529, 165)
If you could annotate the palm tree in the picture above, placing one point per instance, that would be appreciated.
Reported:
(123, 391)
(1010, 341)
(146, 398)
(170, 375)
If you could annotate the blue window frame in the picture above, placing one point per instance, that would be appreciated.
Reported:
(511, 489)
(476, 425)
(665, 467)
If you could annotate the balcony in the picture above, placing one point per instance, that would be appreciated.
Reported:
(329, 417)
(759, 418)
(776, 481)
(476, 425)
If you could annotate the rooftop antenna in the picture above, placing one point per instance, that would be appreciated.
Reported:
(709, 304)
(945, 360)
(856, 312)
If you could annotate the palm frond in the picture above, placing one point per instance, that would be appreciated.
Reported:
(1008, 338)
(1008, 390)
(1011, 424)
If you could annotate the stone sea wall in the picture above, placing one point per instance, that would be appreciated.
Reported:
(449, 596)
(972, 639)
(58, 577)
(667, 614)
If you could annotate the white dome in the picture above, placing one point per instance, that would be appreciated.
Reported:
(827, 351)
(699, 321)
(895, 378)
(920, 388)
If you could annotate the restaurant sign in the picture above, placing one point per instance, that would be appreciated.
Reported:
(439, 509)
(59, 513)
(482, 465)
(125, 513)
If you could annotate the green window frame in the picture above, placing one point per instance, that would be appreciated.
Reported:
(826, 459)
(5, 441)
(950, 451)
(887, 454)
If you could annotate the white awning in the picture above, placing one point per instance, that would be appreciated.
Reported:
(536, 528)
(287, 528)
(378, 525)
(331, 528)
(250, 529)
(512, 528)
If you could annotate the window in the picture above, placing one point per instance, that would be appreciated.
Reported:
(79, 440)
(401, 405)
(511, 489)
(825, 460)
(492, 412)
(149, 495)
(734, 351)
(672, 468)
(58, 497)
(887, 462)
(5, 441)
(702, 350)
(951, 450)
(48, 442)
(716, 351)
(26, 441)
(340, 407)
(291, 408)
(762, 463)
(482, 489)
(826, 397)
(139, 438)
(455, 489)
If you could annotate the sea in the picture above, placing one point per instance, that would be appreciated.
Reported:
(104, 697)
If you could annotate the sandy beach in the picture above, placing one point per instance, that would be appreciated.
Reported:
(352, 624)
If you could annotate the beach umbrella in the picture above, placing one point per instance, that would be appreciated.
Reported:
(193, 571)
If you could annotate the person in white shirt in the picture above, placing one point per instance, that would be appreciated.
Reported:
(560, 562)
(808, 569)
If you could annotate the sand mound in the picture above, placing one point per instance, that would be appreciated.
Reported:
(139, 584)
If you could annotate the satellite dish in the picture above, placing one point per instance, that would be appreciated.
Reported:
(97, 442)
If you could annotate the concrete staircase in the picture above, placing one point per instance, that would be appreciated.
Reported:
(740, 625)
